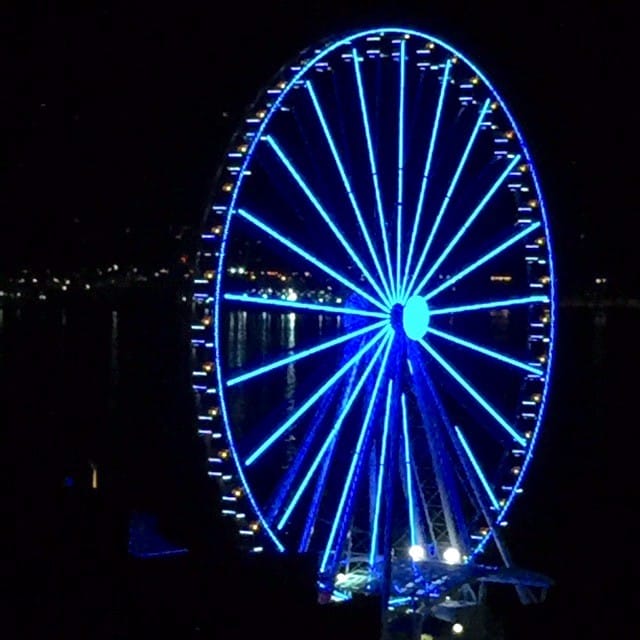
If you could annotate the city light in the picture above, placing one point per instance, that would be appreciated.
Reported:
(457, 628)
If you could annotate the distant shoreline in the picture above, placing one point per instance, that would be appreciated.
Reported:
(181, 292)
(603, 303)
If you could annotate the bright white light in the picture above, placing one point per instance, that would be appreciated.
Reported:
(451, 555)
(457, 628)
(340, 578)
(292, 295)
(417, 553)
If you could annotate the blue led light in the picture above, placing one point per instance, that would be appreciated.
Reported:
(332, 434)
(325, 216)
(354, 460)
(485, 258)
(383, 455)
(374, 171)
(447, 197)
(312, 400)
(303, 354)
(535, 369)
(348, 189)
(400, 166)
(413, 534)
(307, 256)
(477, 469)
(425, 174)
(303, 306)
(474, 394)
(475, 213)
(309, 525)
(490, 304)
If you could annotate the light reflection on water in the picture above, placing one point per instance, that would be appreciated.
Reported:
(114, 347)
(237, 338)
(291, 368)
(256, 338)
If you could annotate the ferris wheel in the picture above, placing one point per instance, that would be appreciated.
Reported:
(376, 325)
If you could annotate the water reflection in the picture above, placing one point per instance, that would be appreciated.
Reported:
(237, 338)
(290, 387)
(291, 330)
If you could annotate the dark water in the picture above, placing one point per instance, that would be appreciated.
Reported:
(111, 385)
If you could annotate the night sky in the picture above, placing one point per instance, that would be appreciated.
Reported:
(115, 115)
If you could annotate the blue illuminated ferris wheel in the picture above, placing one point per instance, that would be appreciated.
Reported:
(377, 321)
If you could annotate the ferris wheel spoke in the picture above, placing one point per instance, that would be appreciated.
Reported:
(373, 553)
(317, 425)
(429, 530)
(318, 493)
(333, 434)
(529, 368)
(352, 478)
(434, 426)
(480, 261)
(477, 469)
(374, 171)
(491, 304)
(473, 393)
(302, 306)
(259, 451)
(425, 528)
(309, 257)
(425, 174)
(348, 188)
(471, 468)
(403, 44)
(469, 221)
(413, 533)
(323, 214)
(303, 354)
(447, 198)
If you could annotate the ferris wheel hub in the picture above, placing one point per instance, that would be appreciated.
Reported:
(415, 317)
